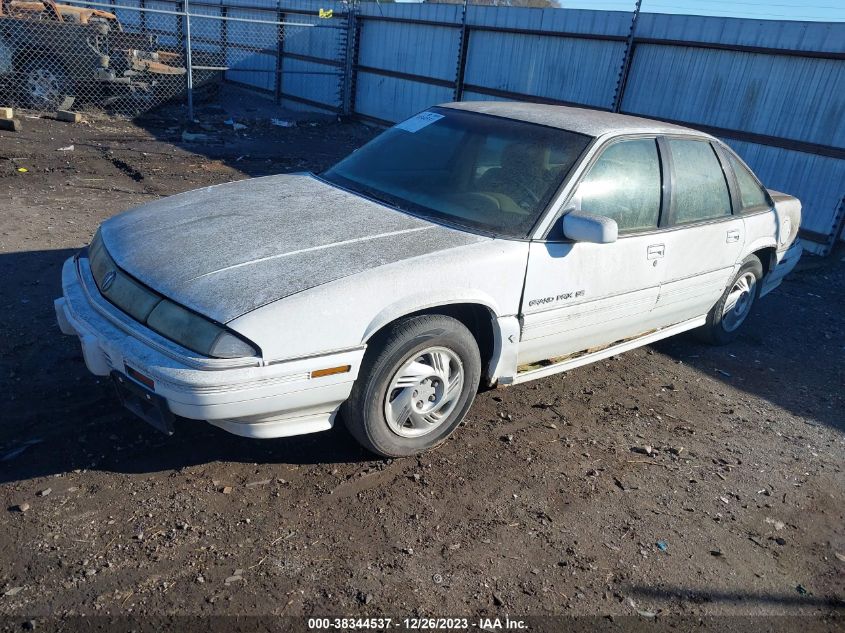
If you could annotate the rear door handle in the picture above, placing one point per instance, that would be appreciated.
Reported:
(733, 236)
(656, 251)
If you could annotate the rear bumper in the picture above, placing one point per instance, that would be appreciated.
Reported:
(787, 260)
(244, 397)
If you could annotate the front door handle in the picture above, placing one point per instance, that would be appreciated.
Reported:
(733, 236)
(656, 251)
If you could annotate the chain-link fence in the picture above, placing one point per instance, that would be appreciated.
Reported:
(131, 55)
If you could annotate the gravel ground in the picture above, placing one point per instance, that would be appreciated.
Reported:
(546, 501)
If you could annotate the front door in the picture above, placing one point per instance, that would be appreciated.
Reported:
(579, 295)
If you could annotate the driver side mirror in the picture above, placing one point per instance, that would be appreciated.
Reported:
(580, 226)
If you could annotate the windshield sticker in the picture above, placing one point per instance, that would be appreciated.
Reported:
(416, 123)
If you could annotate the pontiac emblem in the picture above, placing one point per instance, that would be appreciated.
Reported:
(108, 280)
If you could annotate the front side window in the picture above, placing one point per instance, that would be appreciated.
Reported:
(751, 194)
(477, 171)
(699, 189)
(624, 184)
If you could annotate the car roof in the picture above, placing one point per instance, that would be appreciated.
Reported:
(582, 120)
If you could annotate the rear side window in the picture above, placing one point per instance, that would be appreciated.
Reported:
(750, 193)
(624, 184)
(699, 189)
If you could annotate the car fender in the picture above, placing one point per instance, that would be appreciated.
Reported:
(345, 313)
(420, 301)
(757, 244)
(506, 329)
(760, 233)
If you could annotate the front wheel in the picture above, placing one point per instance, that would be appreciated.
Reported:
(417, 382)
(729, 314)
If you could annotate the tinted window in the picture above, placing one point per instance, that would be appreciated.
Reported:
(699, 190)
(478, 171)
(750, 192)
(624, 184)
(427, 152)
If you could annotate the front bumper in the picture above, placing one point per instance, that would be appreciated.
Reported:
(243, 396)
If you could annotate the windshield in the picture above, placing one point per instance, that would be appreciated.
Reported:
(482, 172)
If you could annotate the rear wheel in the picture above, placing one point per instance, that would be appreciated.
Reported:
(46, 84)
(726, 318)
(417, 381)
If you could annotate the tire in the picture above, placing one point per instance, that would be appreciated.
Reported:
(407, 370)
(45, 84)
(723, 326)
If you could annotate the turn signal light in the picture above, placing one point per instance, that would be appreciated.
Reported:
(330, 371)
(136, 375)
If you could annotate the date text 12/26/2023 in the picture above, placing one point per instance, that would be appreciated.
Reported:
(416, 624)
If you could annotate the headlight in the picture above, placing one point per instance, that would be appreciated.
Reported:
(196, 333)
(161, 315)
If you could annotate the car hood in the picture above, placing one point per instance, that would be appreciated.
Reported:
(226, 250)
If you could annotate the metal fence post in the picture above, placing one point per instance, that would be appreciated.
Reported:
(350, 61)
(281, 16)
(463, 45)
(626, 61)
(188, 64)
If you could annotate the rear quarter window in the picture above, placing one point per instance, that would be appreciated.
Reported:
(752, 196)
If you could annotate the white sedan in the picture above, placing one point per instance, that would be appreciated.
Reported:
(474, 243)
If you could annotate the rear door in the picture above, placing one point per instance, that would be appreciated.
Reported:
(579, 295)
(705, 239)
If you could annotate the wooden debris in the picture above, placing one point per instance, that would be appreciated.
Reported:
(68, 116)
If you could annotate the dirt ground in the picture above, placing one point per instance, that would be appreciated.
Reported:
(539, 504)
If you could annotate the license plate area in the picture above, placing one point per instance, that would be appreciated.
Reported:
(146, 404)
